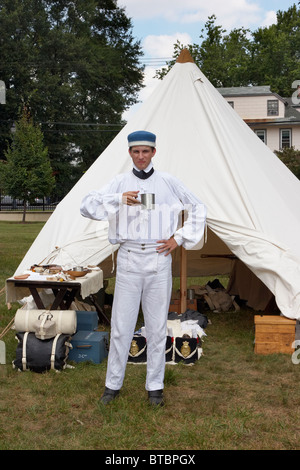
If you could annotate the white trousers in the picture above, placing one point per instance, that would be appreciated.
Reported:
(144, 277)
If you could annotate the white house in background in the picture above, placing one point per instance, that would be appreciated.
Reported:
(275, 120)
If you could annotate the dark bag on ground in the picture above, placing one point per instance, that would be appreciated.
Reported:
(39, 355)
(169, 349)
(138, 350)
(185, 350)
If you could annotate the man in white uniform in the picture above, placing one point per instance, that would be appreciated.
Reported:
(146, 238)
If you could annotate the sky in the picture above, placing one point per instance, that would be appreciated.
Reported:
(158, 24)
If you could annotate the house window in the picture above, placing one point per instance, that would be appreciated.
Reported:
(273, 109)
(261, 134)
(231, 103)
(285, 138)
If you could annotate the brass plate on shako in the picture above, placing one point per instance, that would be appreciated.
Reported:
(134, 349)
(185, 349)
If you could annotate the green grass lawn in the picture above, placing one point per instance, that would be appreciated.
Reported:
(230, 399)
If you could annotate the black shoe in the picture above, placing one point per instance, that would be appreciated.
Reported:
(109, 395)
(156, 398)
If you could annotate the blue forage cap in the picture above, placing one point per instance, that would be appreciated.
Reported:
(141, 138)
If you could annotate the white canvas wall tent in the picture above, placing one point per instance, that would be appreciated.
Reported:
(252, 199)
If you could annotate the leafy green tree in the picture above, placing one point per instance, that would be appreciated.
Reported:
(267, 56)
(291, 158)
(75, 65)
(27, 173)
(211, 53)
(225, 59)
(276, 52)
(237, 58)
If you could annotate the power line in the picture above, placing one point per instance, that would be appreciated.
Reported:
(155, 59)
(65, 127)
(35, 63)
(68, 123)
(76, 131)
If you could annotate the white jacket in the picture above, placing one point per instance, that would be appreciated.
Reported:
(134, 223)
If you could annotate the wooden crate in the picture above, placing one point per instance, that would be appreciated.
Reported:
(274, 334)
(175, 305)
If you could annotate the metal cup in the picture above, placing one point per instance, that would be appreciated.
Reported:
(78, 268)
(191, 294)
(148, 200)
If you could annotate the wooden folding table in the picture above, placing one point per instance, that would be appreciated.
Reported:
(64, 291)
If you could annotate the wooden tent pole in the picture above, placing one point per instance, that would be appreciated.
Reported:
(183, 57)
(183, 275)
(183, 280)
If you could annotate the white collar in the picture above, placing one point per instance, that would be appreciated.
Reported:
(146, 169)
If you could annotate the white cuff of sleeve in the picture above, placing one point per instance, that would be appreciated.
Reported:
(178, 239)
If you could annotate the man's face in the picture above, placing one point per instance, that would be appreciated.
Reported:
(141, 155)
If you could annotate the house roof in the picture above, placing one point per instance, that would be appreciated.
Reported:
(292, 103)
(246, 91)
(291, 113)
